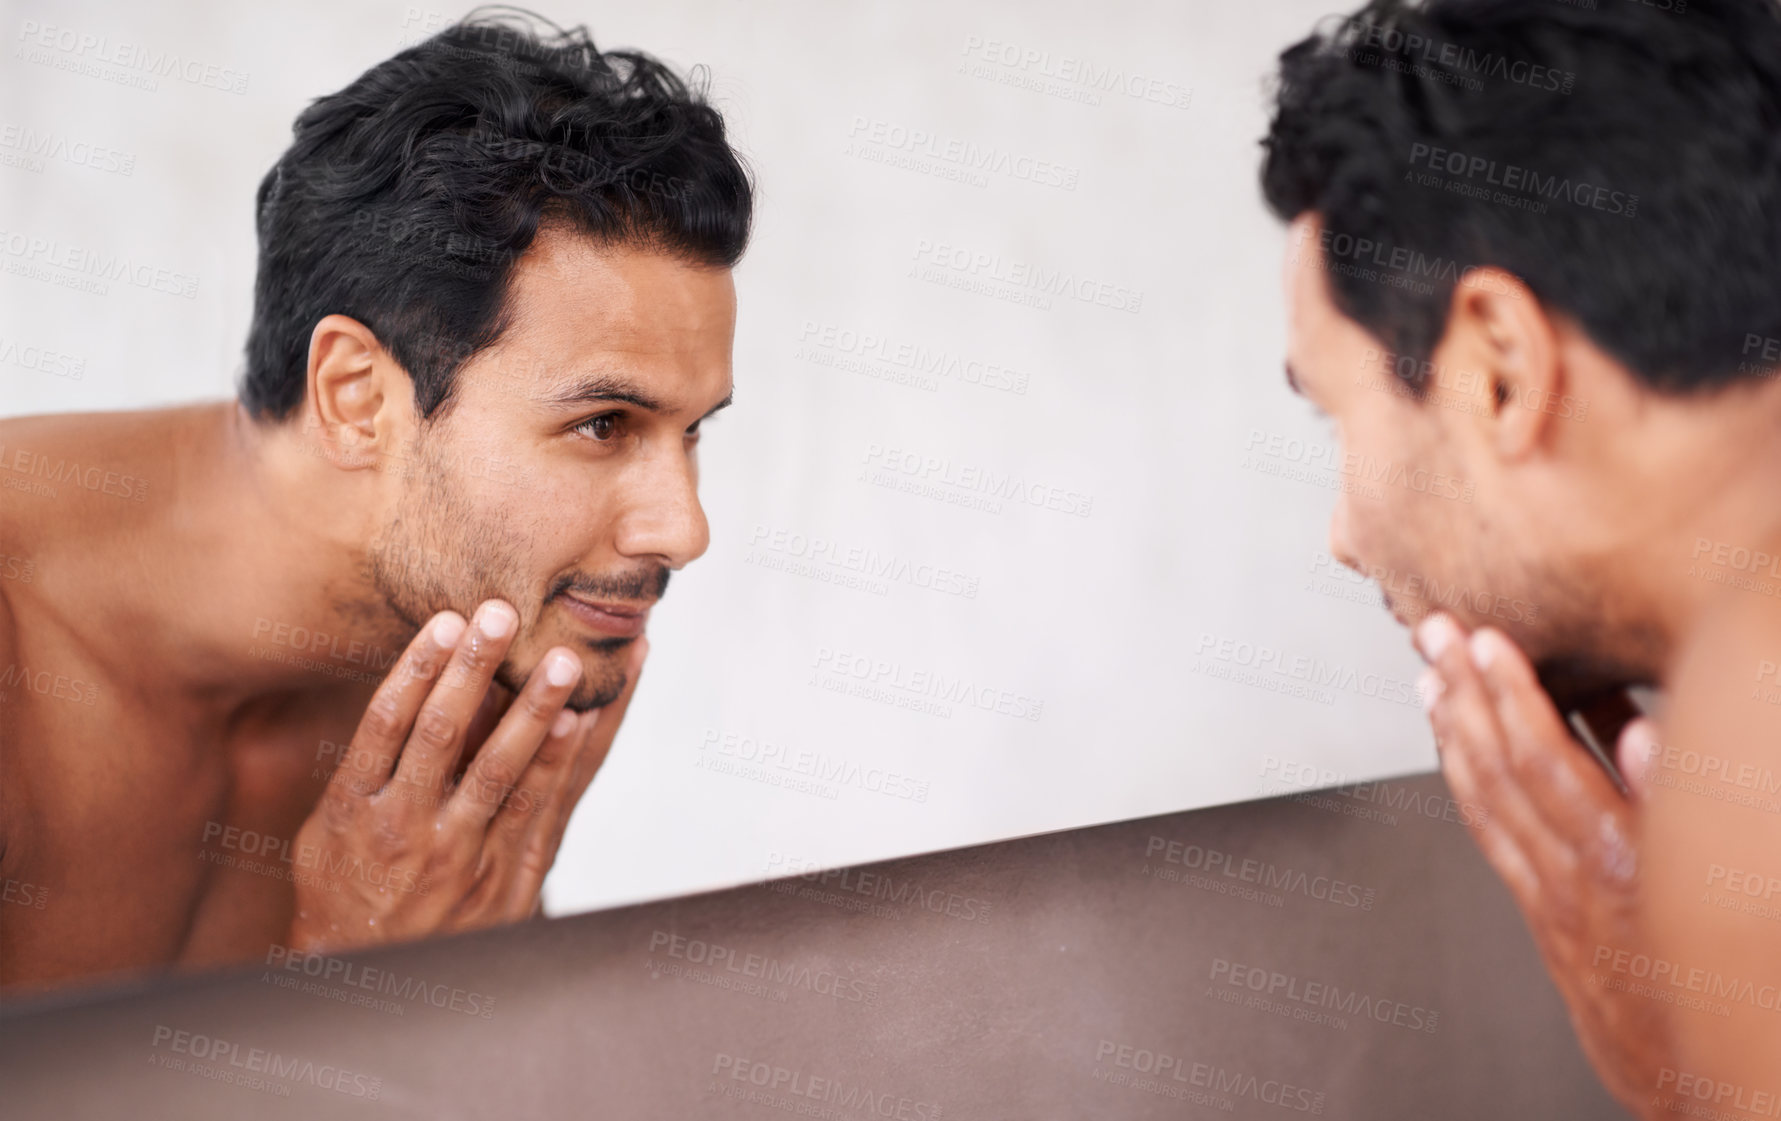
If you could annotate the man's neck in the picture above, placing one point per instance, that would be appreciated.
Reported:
(1723, 544)
(260, 569)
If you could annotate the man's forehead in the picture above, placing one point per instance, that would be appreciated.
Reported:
(589, 322)
(633, 296)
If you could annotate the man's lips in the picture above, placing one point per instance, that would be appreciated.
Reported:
(620, 620)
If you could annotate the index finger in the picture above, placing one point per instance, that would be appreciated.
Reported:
(377, 742)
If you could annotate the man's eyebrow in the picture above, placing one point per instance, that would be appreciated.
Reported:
(605, 387)
(610, 387)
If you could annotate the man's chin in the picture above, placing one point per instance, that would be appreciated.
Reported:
(601, 682)
(594, 695)
(602, 679)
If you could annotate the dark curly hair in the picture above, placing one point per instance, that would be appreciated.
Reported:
(1623, 160)
(406, 197)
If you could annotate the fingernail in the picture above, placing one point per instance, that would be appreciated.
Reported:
(1430, 687)
(561, 670)
(1640, 737)
(1485, 648)
(1636, 754)
(495, 619)
(1434, 635)
(448, 628)
(565, 722)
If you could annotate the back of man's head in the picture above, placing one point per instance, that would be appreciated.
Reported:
(1622, 158)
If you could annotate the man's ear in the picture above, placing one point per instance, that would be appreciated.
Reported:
(349, 393)
(1498, 329)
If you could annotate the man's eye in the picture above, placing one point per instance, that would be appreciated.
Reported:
(603, 427)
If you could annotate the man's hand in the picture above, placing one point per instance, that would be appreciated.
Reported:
(395, 849)
(1556, 830)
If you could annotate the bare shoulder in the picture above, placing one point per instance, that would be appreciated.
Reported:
(74, 489)
(65, 462)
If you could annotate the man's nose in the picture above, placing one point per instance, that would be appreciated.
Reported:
(1341, 544)
(662, 517)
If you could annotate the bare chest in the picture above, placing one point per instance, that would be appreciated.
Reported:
(141, 837)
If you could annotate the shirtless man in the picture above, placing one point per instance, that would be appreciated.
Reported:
(1536, 248)
(331, 664)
